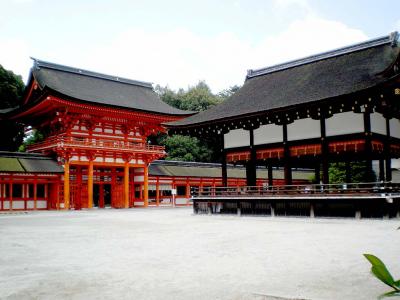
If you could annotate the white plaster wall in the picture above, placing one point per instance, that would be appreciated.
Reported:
(344, 123)
(41, 204)
(267, 134)
(30, 204)
(304, 129)
(180, 201)
(378, 123)
(139, 179)
(395, 128)
(6, 205)
(18, 204)
(237, 138)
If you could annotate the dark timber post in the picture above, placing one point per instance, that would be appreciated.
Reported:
(388, 160)
(318, 172)
(270, 175)
(368, 144)
(348, 171)
(381, 170)
(251, 172)
(324, 153)
(286, 157)
(224, 171)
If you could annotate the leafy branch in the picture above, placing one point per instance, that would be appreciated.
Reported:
(382, 273)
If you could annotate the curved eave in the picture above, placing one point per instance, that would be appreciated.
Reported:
(37, 107)
(181, 126)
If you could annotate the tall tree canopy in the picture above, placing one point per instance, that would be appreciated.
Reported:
(358, 172)
(196, 98)
(11, 90)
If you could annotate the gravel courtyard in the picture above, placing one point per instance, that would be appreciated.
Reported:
(166, 253)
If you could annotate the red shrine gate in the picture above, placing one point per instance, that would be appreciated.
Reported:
(97, 127)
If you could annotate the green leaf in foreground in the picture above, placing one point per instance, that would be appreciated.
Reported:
(382, 273)
(379, 270)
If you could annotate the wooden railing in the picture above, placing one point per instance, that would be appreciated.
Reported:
(59, 142)
(382, 189)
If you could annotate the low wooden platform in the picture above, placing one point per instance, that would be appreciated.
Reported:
(363, 200)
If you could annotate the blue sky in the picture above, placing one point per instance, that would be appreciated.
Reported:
(178, 43)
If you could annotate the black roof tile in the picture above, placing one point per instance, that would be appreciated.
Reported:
(323, 76)
(100, 88)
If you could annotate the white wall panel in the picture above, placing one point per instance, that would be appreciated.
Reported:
(18, 204)
(304, 129)
(378, 123)
(180, 201)
(237, 138)
(6, 205)
(41, 204)
(267, 134)
(345, 123)
(395, 128)
(138, 179)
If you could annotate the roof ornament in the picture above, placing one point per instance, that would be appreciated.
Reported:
(394, 37)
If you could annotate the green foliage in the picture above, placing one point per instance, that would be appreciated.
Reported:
(185, 148)
(197, 98)
(36, 136)
(11, 90)
(358, 173)
(225, 94)
(380, 271)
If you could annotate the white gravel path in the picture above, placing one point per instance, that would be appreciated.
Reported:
(166, 253)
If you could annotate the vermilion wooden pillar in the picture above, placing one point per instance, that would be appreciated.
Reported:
(158, 191)
(66, 185)
(126, 184)
(101, 196)
(90, 184)
(146, 186)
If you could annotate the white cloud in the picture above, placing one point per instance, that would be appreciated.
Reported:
(180, 58)
(14, 54)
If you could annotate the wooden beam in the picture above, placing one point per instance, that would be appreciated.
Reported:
(90, 184)
(324, 152)
(388, 159)
(126, 184)
(146, 186)
(158, 191)
(368, 144)
(286, 157)
(270, 174)
(224, 171)
(66, 184)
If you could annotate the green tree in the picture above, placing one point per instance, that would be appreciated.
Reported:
(186, 148)
(358, 172)
(34, 137)
(196, 98)
(11, 90)
(225, 94)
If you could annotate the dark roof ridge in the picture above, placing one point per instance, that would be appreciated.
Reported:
(23, 155)
(392, 38)
(40, 63)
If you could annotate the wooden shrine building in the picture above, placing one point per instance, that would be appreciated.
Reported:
(339, 106)
(96, 126)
